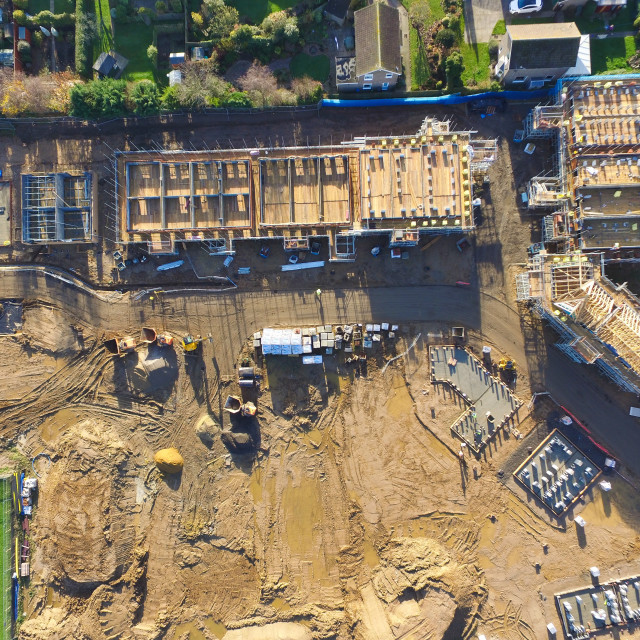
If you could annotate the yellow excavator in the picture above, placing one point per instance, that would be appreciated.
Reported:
(507, 369)
(190, 344)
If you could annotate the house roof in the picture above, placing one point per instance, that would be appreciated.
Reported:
(338, 8)
(552, 45)
(377, 39)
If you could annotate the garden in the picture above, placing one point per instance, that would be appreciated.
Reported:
(440, 56)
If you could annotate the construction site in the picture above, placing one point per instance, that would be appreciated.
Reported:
(399, 187)
(389, 446)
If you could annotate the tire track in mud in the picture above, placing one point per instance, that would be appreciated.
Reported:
(71, 384)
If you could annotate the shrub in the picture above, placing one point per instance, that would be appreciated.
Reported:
(169, 99)
(495, 86)
(24, 51)
(494, 47)
(176, 6)
(20, 4)
(445, 38)
(145, 98)
(145, 11)
(454, 66)
(98, 98)
(161, 6)
(152, 54)
(237, 99)
(36, 38)
(307, 90)
(20, 17)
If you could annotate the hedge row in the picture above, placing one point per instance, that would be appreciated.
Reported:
(85, 28)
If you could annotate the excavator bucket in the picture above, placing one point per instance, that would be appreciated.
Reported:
(148, 335)
(111, 346)
(233, 404)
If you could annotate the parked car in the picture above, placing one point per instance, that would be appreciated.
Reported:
(525, 6)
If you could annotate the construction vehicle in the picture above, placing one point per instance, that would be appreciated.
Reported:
(234, 405)
(164, 340)
(190, 344)
(507, 369)
(121, 346)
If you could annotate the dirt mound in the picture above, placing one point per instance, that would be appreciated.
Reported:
(206, 430)
(169, 460)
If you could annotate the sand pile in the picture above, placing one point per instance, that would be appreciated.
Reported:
(169, 460)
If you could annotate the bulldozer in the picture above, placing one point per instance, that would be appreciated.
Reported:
(190, 344)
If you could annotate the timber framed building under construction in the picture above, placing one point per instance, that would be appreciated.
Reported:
(401, 187)
(590, 204)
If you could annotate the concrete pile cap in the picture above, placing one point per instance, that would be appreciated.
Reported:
(169, 460)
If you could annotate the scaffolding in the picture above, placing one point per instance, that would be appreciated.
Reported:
(56, 207)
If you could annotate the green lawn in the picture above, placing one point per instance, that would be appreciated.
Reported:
(131, 41)
(437, 12)
(476, 64)
(258, 10)
(316, 67)
(500, 29)
(589, 22)
(104, 41)
(419, 64)
(609, 55)
(5, 558)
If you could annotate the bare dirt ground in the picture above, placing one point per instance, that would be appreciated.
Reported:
(350, 516)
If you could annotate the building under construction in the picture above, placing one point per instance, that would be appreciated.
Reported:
(592, 191)
(399, 187)
(597, 321)
(591, 211)
(57, 208)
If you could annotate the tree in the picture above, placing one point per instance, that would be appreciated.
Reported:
(145, 98)
(420, 14)
(454, 66)
(260, 83)
(218, 19)
(201, 86)
(281, 27)
(152, 54)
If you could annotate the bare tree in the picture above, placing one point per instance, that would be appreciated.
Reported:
(261, 85)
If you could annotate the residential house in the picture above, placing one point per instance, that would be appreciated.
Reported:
(531, 55)
(378, 61)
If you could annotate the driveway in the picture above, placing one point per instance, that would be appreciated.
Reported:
(480, 16)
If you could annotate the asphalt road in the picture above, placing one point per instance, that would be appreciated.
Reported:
(231, 317)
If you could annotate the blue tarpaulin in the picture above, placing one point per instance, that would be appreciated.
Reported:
(455, 98)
